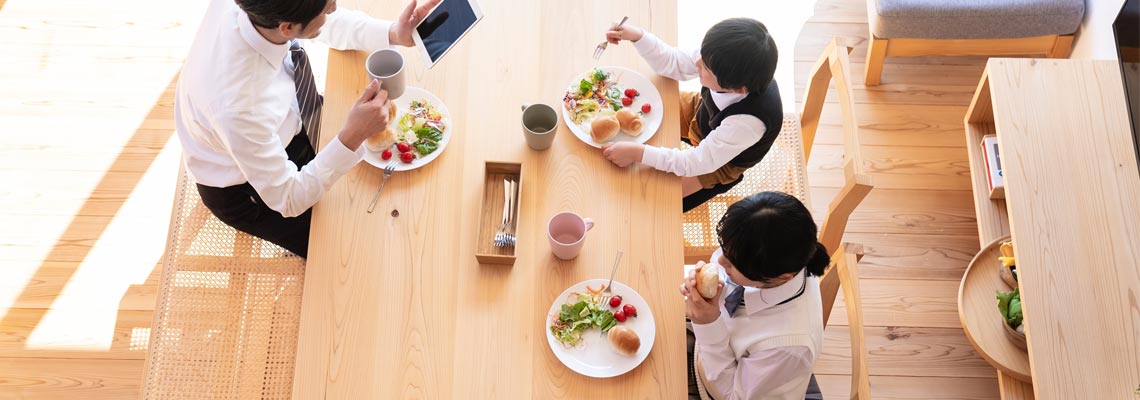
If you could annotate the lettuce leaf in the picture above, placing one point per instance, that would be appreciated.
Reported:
(429, 133)
(600, 75)
(585, 87)
(1009, 305)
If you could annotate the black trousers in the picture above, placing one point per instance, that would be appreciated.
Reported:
(701, 196)
(241, 207)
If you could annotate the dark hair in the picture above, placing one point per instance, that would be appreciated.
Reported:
(271, 13)
(741, 53)
(769, 234)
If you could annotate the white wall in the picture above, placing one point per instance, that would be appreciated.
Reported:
(1094, 39)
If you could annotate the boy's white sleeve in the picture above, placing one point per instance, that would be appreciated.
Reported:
(666, 60)
(734, 135)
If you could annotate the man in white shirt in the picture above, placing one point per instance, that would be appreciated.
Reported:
(247, 110)
(734, 119)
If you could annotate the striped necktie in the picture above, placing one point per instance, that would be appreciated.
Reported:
(308, 100)
(734, 300)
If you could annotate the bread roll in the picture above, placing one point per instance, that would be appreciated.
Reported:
(630, 121)
(384, 140)
(604, 128)
(707, 279)
(624, 340)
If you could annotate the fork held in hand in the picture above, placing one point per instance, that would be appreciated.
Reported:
(388, 170)
(602, 47)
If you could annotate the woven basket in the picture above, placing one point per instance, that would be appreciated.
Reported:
(225, 324)
(780, 171)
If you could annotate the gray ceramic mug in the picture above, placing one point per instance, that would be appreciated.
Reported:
(539, 122)
(387, 66)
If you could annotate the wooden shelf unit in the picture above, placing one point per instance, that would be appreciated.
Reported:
(993, 223)
(1071, 187)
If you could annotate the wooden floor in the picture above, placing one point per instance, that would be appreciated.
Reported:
(88, 161)
(918, 223)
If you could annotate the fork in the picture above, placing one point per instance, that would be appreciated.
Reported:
(509, 238)
(602, 47)
(388, 170)
(500, 234)
(608, 292)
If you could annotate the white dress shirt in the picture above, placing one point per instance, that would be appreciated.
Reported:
(764, 351)
(236, 108)
(734, 135)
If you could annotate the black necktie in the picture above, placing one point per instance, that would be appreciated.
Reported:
(734, 299)
(308, 100)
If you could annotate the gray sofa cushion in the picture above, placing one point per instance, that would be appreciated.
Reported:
(973, 19)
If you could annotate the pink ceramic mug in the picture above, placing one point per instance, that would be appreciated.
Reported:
(567, 233)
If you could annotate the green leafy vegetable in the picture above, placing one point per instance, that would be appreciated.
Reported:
(429, 133)
(574, 319)
(426, 147)
(585, 86)
(600, 75)
(1009, 304)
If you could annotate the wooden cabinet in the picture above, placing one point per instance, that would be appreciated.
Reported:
(1072, 207)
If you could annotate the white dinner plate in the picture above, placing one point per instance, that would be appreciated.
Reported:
(412, 93)
(626, 78)
(594, 357)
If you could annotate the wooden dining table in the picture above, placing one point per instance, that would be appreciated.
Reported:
(395, 303)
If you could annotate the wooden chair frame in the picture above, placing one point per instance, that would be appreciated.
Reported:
(844, 272)
(1050, 46)
(835, 64)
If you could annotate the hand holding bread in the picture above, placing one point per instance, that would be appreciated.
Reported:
(708, 277)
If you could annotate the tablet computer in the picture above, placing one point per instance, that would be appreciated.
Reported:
(444, 26)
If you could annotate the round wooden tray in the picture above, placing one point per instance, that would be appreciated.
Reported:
(977, 307)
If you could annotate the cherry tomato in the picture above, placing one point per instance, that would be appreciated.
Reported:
(645, 108)
(626, 101)
(615, 301)
(630, 310)
(631, 92)
(386, 155)
(403, 147)
(407, 157)
(620, 316)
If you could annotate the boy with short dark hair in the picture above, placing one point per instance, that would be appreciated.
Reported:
(731, 123)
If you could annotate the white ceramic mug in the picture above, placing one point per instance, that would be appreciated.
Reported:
(539, 122)
(567, 234)
(387, 66)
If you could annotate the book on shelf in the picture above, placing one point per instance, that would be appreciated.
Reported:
(993, 166)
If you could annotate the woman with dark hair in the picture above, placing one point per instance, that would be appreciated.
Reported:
(759, 337)
(247, 110)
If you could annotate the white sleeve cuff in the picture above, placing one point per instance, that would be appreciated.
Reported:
(652, 156)
(377, 38)
(339, 158)
(712, 333)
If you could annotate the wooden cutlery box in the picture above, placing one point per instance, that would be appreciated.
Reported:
(491, 212)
